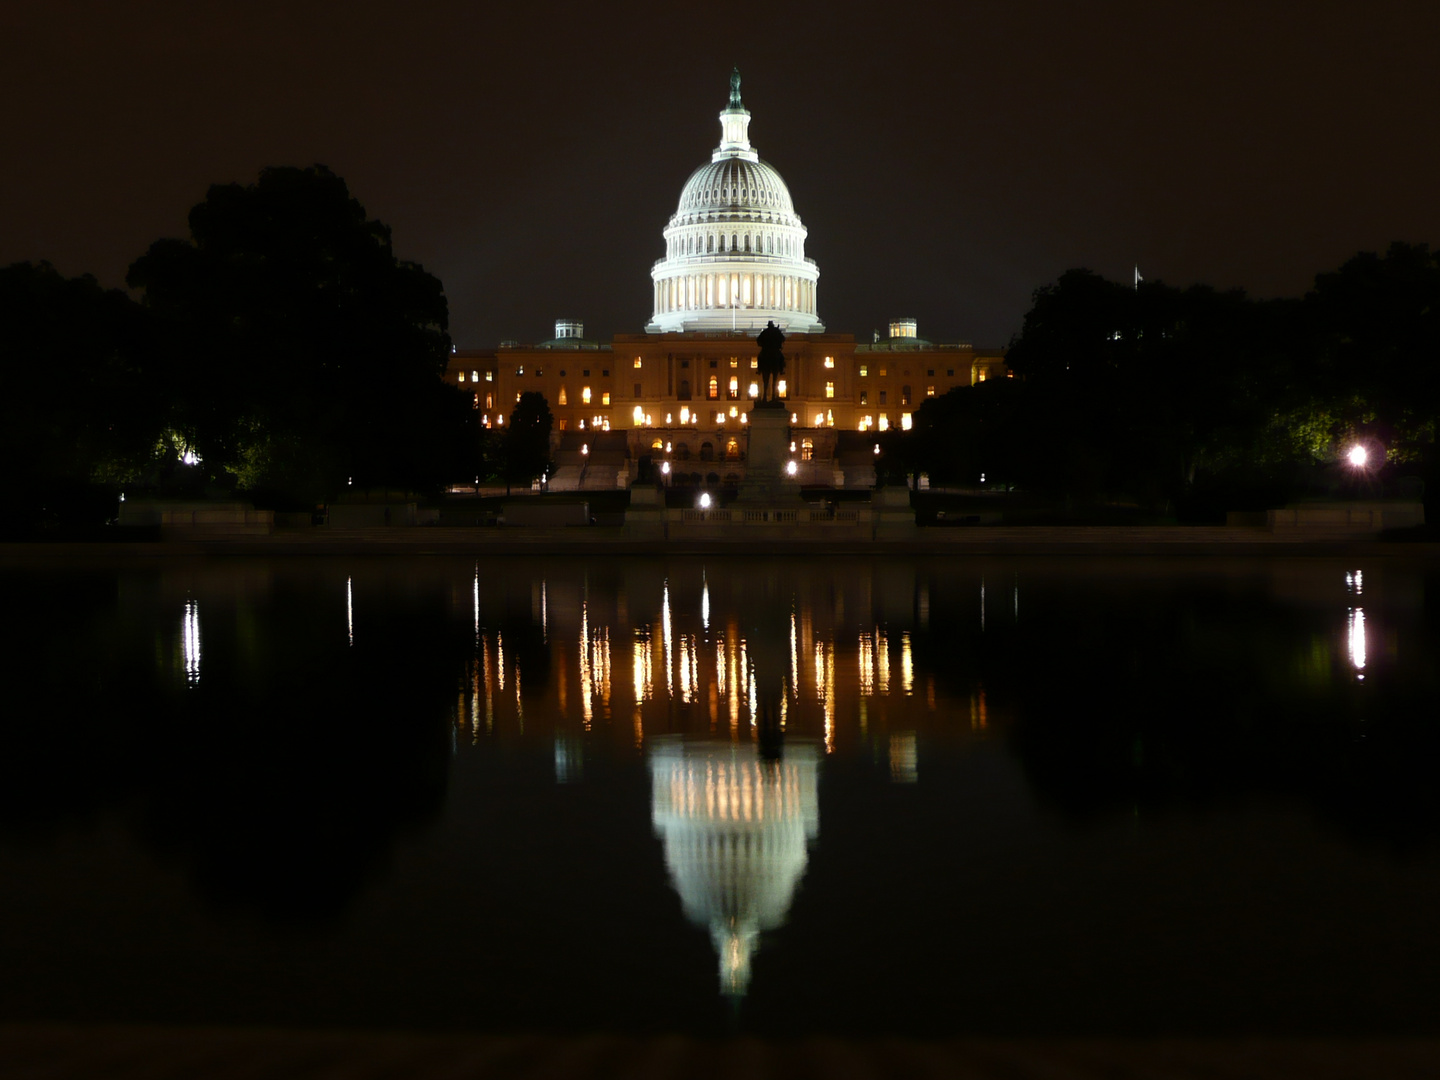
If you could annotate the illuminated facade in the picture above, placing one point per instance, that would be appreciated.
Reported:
(681, 391)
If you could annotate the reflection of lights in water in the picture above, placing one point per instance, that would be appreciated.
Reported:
(190, 637)
(1356, 640)
(684, 669)
(569, 760)
(489, 690)
(794, 655)
(544, 612)
(350, 610)
(500, 660)
(665, 636)
(1355, 582)
(735, 831)
(903, 759)
(754, 702)
(867, 666)
(641, 656)
(922, 608)
(704, 601)
(882, 657)
(1015, 596)
(979, 719)
(587, 685)
(907, 666)
(475, 595)
(519, 704)
(982, 603)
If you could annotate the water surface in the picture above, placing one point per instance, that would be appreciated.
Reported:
(931, 796)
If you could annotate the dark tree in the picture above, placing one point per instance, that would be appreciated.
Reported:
(77, 418)
(302, 355)
(527, 439)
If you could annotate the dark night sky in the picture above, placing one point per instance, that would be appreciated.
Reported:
(946, 159)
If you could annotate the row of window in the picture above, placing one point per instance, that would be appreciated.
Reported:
(764, 244)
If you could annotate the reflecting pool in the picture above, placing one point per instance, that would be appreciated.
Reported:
(999, 797)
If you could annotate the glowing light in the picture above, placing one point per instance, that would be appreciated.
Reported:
(704, 500)
(664, 468)
(1358, 456)
(639, 415)
(1355, 582)
(190, 636)
(704, 601)
(1355, 639)
(585, 448)
(877, 448)
(350, 611)
(791, 468)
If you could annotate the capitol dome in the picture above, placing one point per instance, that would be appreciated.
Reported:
(735, 248)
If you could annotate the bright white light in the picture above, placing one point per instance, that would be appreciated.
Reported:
(704, 500)
(791, 468)
(585, 448)
(665, 468)
(190, 638)
(685, 415)
(639, 415)
(877, 448)
(1356, 640)
(1358, 456)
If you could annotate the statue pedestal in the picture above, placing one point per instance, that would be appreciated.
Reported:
(769, 452)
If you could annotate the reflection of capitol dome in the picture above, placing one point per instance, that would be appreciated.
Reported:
(734, 829)
(734, 248)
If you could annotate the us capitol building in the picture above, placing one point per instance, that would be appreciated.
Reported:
(680, 392)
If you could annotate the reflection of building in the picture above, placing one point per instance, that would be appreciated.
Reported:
(734, 829)
(734, 259)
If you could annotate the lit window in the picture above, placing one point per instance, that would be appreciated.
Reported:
(605, 398)
(734, 388)
(807, 450)
(754, 390)
(829, 389)
(714, 388)
(884, 422)
(829, 417)
(864, 370)
(734, 362)
(685, 414)
(637, 361)
(517, 397)
(930, 391)
(883, 372)
(564, 399)
(754, 364)
(658, 444)
(489, 376)
(829, 361)
(477, 401)
(564, 423)
(638, 415)
(489, 401)
(734, 411)
(864, 397)
(819, 419)
(462, 376)
(905, 421)
(780, 387)
(981, 376)
(585, 395)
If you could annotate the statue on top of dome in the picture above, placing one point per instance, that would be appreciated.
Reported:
(735, 89)
(771, 363)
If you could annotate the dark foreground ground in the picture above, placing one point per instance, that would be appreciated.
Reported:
(141, 1053)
